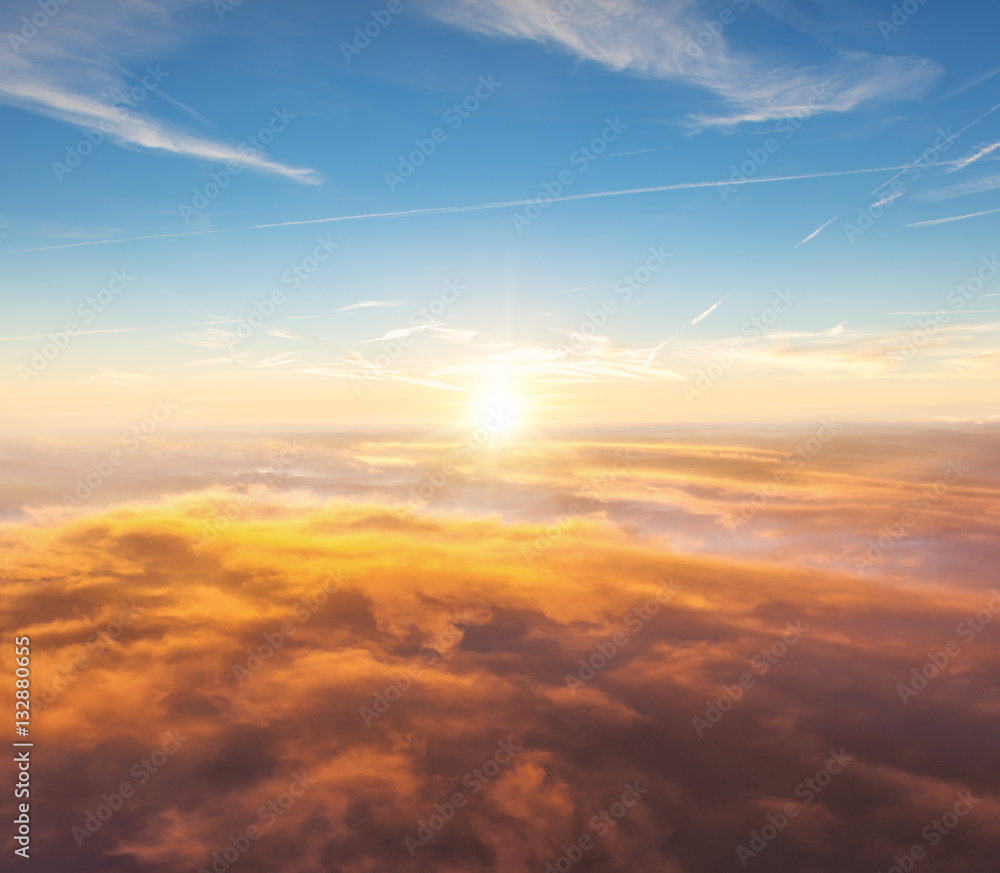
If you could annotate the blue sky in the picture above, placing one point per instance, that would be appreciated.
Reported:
(783, 89)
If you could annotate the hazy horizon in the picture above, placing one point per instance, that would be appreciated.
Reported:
(500, 436)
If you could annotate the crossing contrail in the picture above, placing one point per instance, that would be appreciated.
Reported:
(477, 207)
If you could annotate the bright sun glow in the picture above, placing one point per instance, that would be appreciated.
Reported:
(499, 409)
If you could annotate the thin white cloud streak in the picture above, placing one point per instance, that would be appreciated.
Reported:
(373, 304)
(658, 349)
(981, 152)
(571, 290)
(71, 71)
(974, 82)
(651, 39)
(444, 210)
(936, 148)
(962, 189)
(85, 112)
(951, 218)
(708, 311)
(117, 330)
(371, 373)
(401, 332)
(887, 199)
(816, 232)
(637, 152)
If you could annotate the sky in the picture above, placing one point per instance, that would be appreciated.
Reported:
(501, 436)
(703, 159)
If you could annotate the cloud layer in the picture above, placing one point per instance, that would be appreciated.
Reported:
(405, 647)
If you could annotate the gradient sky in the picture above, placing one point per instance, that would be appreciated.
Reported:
(504, 317)
(841, 99)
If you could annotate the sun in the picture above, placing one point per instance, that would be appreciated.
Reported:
(499, 409)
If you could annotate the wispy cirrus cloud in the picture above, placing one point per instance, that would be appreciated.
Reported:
(976, 186)
(988, 360)
(652, 39)
(981, 152)
(433, 328)
(373, 304)
(72, 71)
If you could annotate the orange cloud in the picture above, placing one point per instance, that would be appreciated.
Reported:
(383, 660)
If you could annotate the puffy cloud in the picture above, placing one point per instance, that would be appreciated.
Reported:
(405, 648)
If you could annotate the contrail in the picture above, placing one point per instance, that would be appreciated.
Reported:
(952, 218)
(936, 148)
(656, 351)
(443, 210)
(708, 311)
(581, 288)
(816, 232)
(981, 153)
